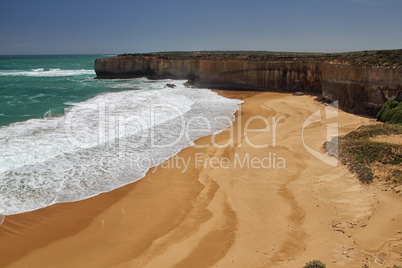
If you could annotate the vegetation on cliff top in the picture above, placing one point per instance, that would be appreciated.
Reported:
(368, 158)
(383, 58)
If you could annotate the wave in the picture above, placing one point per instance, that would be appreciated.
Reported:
(103, 143)
(42, 72)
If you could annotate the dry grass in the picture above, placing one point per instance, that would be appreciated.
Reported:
(368, 158)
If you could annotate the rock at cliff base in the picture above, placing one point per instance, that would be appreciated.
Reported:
(399, 97)
(298, 93)
(171, 85)
(320, 99)
(188, 84)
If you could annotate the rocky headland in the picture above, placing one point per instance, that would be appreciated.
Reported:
(361, 81)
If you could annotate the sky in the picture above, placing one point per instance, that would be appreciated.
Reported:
(123, 26)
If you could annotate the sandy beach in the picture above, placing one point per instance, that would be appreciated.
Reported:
(250, 196)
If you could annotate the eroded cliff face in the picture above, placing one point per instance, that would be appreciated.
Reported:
(233, 74)
(358, 88)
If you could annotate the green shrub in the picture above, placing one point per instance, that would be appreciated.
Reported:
(314, 264)
(391, 112)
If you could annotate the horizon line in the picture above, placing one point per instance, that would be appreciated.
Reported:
(194, 51)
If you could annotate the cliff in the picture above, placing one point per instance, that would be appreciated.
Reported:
(361, 83)
(360, 89)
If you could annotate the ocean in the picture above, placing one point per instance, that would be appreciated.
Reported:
(65, 136)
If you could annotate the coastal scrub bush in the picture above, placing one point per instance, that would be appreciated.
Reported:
(395, 177)
(359, 153)
(366, 132)
(315, 264)
(391, 112)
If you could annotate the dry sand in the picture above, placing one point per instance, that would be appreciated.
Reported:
(228, 216)
(394, 139)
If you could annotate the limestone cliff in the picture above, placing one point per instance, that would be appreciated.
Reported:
(359, 88)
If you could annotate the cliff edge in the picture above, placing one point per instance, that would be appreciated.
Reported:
(361, 81)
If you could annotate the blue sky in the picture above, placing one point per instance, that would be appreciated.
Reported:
(122, 26)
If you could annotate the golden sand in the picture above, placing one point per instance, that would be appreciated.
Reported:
(219, 213)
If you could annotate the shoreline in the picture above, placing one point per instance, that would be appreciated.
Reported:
(222, 216)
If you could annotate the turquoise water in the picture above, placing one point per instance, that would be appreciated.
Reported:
(65, 136)
(37, 86)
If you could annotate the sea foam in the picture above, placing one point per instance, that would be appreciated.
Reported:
(42, 72)
(104, 143)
